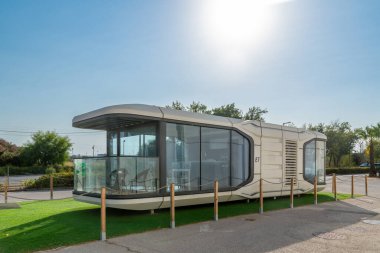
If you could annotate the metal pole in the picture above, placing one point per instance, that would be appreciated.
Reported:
(291, 192)
(216, 200)
(315, 191)
(352, 186)
(172, 206)
(261, 196)
(103, 215)
(366, 185)
(51, 186)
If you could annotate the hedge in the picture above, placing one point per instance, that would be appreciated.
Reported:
(64, 179)
(347, 171)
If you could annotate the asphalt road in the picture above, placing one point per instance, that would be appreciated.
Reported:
(352, 225)
(18, 179)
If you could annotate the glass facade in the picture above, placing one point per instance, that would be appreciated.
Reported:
(314, 161)
(195, 156)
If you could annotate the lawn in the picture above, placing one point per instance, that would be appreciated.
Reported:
(42, 225)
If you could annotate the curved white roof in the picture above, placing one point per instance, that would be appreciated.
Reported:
(111, 117)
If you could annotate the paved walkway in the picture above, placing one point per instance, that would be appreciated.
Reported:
(342, 226)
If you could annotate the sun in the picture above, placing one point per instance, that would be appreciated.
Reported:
(235, 27)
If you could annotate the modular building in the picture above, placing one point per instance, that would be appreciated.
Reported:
(150, 147)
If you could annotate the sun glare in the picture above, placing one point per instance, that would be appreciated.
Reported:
(236, 27)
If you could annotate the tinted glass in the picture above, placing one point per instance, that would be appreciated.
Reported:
(183, 156)
(239, 158)
(138, 141)
(215, 157)
(310, 161)
(112, 143)
(320, 161)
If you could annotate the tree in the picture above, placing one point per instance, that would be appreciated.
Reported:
(255, 113)
(9, 153)
(198, 107)
(47, 148)
(177, 106)
(229, 110)
(369, 134)
(341, 140)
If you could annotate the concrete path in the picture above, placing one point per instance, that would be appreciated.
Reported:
(344, 226)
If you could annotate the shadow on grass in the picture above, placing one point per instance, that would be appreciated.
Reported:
(71, 227)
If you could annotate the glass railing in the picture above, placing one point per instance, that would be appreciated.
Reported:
(120, 175)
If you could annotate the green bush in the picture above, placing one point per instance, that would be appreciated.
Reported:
(50, 170)
(347, 171)
(64, 179)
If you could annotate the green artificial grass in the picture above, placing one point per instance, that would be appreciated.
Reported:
(42, 225)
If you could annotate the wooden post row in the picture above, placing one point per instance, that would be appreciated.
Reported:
(261, 196)
(366, 185)
(172, 206)
(352, 186)
(291, 192)
(315, 191)
(103, 236)
(216, 200)
(51, 186)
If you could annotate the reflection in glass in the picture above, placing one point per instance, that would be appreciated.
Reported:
(215, 160)
(310, 161)
(112, 143)
(121, 175)
(239, 158)
(138, 141)
(183, 156)
(315, 161)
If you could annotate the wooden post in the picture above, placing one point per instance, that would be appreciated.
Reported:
(51, 186)
(366, 185)
(334, 190)
(291, 192)
(172, 206)
(315, 191)
(261, 196)
(333, 184)
(103, 215)
(216, 200)
(6, 189)
(352, 186)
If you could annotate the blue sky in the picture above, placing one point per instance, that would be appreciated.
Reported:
(306, 61)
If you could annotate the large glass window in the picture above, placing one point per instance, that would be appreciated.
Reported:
(239, 158)
(183, 156)
(215, 160)
(112, 143)
(320, 160)
(138, 141)
(314, 155)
